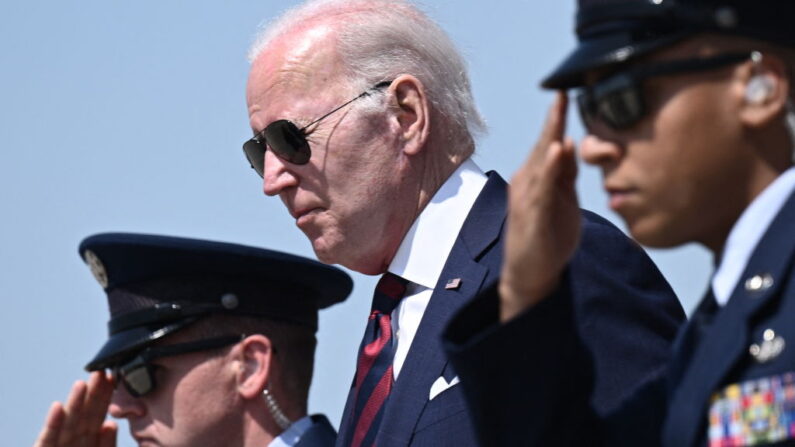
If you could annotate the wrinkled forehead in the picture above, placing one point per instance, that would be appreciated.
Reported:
(295, 64)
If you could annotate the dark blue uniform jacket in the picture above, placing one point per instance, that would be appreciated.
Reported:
(512, 372)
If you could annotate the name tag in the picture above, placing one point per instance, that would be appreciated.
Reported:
(755, 412)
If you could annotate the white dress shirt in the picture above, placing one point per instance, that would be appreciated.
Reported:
(424, 250)
(292, 435)
(747, 232)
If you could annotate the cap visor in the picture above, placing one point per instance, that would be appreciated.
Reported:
(594, 54)
(122, 344)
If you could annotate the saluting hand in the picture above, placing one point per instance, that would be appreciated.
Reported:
(543, 226)
(81, 422)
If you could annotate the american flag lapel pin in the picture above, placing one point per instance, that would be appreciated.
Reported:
(453, 284)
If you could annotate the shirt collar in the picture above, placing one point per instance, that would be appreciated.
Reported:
(747, 232)
(424, 250)
(292, 435)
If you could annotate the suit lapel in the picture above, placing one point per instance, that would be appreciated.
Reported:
(426, 361)
(347, 413)
(726, 341)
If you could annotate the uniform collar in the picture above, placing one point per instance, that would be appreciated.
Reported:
(747, 232)
(292, 435)
(423, 251)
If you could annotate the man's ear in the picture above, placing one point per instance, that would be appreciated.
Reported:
(255, 357)
(413, 112)
(766, 90)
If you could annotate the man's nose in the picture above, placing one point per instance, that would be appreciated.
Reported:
(124, 405)
(599, 151)
(277, 175)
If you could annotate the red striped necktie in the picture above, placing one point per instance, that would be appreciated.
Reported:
(374, 375)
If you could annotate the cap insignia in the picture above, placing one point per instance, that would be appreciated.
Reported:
(97, 268)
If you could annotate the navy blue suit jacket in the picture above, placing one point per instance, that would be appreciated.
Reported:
(670, 409)
(410, 418)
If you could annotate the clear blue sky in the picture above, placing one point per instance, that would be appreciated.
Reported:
(129, 116)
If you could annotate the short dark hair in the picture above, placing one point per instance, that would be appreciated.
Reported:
(294, 348)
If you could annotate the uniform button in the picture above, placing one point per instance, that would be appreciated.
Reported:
(758, 283)
(769, 335)
(726, 17)
(230, 301)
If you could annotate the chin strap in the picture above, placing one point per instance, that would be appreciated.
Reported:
(276, 412)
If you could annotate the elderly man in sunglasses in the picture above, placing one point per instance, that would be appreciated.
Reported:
(689, 111)
(211, 344)
(363, 123)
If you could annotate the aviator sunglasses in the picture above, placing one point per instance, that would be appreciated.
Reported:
(138, 374)
(618, 101)
(287, 141)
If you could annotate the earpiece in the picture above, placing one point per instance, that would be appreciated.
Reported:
(759, 88)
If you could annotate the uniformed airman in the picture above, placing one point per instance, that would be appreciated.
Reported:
(210, 344)
(688, 108)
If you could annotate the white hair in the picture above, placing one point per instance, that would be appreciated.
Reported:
(379, 40)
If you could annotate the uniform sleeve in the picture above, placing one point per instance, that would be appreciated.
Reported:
(572, 369)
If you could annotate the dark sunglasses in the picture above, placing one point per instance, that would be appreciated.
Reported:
(287, 141)
(138, 374)
(618, 101)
